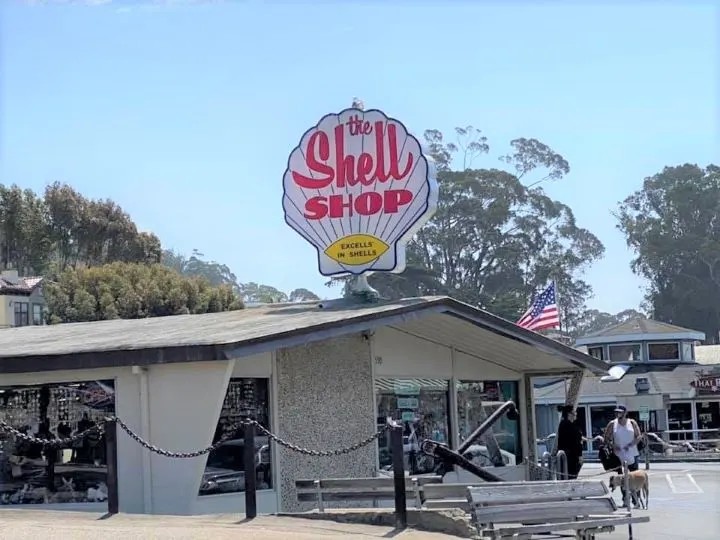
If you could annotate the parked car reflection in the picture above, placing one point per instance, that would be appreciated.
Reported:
(224, 472)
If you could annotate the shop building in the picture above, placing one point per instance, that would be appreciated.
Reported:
(320, 375)
(677, 393)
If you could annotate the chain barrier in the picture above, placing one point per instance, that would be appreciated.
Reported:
(7, 428)
(323, 453)
(68, 441)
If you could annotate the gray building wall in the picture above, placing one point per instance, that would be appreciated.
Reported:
(325, 402)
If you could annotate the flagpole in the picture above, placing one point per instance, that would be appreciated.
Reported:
(557, 301)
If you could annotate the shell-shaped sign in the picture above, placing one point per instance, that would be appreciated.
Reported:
(358, 187)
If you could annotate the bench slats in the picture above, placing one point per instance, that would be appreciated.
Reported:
(447, 491)
(535, 492)
(342, 484)
(439, 504)
(378, 495)
(542, 511)
(596, 523)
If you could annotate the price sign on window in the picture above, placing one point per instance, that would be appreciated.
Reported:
(408, 403)
(644, 414)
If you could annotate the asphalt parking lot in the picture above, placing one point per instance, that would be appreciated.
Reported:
(684, 502)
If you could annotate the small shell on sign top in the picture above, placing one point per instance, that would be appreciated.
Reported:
(357, 187)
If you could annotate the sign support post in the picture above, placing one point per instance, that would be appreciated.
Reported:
(645, 421)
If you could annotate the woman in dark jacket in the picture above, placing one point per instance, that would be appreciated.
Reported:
(570, 440)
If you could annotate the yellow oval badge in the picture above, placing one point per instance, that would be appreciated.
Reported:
(356, 249)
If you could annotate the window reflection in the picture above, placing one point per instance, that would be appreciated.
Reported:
(600, 417)
(225, 466)
(479, 399)
(708, 419)
(33, 474)
(679, 419)
(422, 405)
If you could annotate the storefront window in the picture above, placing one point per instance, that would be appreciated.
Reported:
(225, 467)
(33, 474)
(664, 351)
(600, 417)
(680, 419)
(687, 351)
(581, 423)
(625, 353)
(422, 405)
(708, 419)
(476, 401)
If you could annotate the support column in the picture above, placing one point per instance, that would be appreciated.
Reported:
(528, 413)
(454, 435)
(571, 398)
(573, 394)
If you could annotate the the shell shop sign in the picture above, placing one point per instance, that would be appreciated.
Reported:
(358, 187)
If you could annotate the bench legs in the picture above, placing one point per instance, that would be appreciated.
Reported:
(321, 503)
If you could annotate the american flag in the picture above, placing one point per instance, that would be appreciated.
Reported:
(543, 314)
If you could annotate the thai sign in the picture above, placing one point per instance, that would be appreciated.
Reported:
(358, 187)
(706, 384)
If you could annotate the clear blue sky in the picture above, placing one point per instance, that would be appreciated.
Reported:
(185, 115)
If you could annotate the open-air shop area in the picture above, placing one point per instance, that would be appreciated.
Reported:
(319, 375)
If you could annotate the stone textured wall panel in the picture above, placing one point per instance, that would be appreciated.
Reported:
(325, 401)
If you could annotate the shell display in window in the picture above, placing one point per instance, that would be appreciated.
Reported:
(358, 187)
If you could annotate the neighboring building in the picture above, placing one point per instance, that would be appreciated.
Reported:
(680, 399)
(21, 300)
(642, 340)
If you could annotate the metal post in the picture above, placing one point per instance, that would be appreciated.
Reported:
(398, 461)
(628, 497)
(112, 471)
(250, 471)
(647, 445)
(562, 465)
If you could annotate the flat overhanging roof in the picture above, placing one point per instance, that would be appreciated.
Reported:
(217, 336)
(618, 371)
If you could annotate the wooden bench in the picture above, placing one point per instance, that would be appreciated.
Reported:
(361, 489)
(440, 496)
(527, 508)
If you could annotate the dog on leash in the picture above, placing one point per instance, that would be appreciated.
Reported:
(639, 487)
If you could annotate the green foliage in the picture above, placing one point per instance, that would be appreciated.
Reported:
(132, 291)
(496, 237)
(195, 265)
(99, 266)
(256, 293)
(302, 295)
(673, 225)
(62, 229)
(220, 274)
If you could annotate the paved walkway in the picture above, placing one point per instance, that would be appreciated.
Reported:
(684, 505)
(62, 525)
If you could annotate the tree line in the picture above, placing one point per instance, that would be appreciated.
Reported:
(98, 265)
(496, 239)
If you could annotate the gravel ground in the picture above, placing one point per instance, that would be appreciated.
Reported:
(61, 525)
